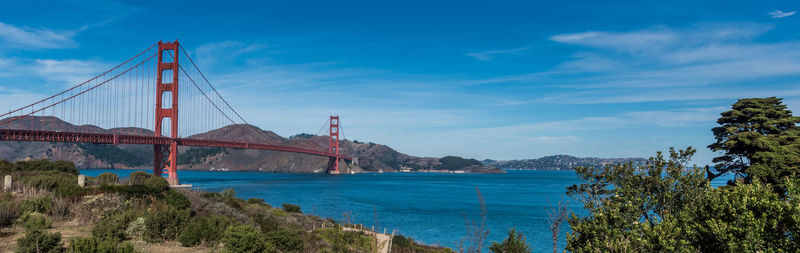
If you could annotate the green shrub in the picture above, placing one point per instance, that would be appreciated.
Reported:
(107, 178)
(177, 199)
(44, 164)
(6, 165)
(233, 202)
(92, 244)
(165, 224)
(228, 193)
(111, 227)
(40, 205)
(36, 221)
(38, 241)
(135, 227)
(60, 183)
(345, 241)
(278, 212)
(157, 184)
(9, 212)
(292, 208)
(514, 243)
(244, 238)
(255, 201)
(211, 195)
(286, 241)
(138, 177)
(265, 222)
(204, 230)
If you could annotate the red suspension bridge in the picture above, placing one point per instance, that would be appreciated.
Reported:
(139, 101)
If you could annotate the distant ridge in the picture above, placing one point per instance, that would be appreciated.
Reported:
(560, 162)
(372, 156)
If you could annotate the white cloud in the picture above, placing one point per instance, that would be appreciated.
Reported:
(780, 14)
(660, 38)
(488, 55)
(68, 72)
(35, 38)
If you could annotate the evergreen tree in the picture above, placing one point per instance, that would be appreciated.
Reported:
(760, 138)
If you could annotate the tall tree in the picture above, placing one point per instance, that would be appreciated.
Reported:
(759, 137)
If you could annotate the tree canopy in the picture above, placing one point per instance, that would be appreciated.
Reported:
(760, 138)
(669, 206)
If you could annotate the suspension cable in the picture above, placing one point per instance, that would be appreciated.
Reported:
(76, 86)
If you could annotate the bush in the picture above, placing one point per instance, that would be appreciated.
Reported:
(40, 205)
(228, 193)
(6, 165)
(292, 208)
(157, 184)
(44, 164)
(265, 222)
(136, 227)
(107, 178)
(278, 212)
(60, 183)
(38, 241)
(244, 238)
(286, 241)
(36, 221)
(345, 241)
(92, 244)
(9, 212)
(514, 243)
(138, 177)
(111, 228)
(177, 199)
(61, 207)
(165, 224)
(204, 230)
(255, 201)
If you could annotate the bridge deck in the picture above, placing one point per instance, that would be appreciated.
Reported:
(97, 138)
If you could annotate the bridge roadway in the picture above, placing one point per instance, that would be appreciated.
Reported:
(98, 138)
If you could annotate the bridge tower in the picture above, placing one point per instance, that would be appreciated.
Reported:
(166, 156)
(333, 145)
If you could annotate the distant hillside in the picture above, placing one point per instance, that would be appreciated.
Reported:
(371, 156)
(560, 162)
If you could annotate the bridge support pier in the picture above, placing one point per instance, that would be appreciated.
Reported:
(333, 145)
(166, 157)
(333, 165)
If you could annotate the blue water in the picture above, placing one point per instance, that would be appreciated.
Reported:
(429, 207)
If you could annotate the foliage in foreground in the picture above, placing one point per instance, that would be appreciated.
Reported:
(165, 224)
(245, 238)
(204, 230)
(38, 241)
(514, 243)
(668, 206)
(92, 244)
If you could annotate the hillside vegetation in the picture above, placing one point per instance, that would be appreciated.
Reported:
(47, 211)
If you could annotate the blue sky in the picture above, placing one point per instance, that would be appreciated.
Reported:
(499, 80)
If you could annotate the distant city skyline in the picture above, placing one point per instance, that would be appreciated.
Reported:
(500, 80)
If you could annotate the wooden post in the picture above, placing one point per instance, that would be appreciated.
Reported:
(391, 239)
(7, 183)
(82, 180)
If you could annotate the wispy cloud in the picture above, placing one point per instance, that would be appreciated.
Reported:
(488, 55)
(67, 72)
(35, 38)
(780, 14)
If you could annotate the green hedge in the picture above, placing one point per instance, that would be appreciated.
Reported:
(165, 224)
(204, 230)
